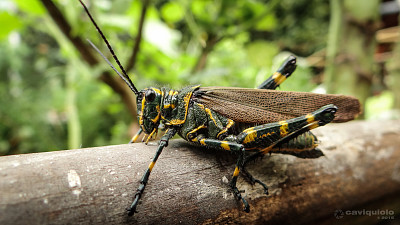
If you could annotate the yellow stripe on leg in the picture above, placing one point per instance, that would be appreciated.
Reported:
(284, 128)
(278, 78)
(251, 135)
(134, 138)
(310, 118)
(236, 172)
(313, 126)
(151, 165)
(225, 145)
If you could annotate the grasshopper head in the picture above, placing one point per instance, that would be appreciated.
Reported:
(148, 106)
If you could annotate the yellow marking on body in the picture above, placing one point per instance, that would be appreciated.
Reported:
(222, 131)
(158, 91)
(236, 172)
(155, 120)
(310, 118)
(172, 92)
(211, 117)
(284, 128)
(249, 129)
(151, 165)
(194, 130)
(203, 141)
(250, 136)
(169, 106)
(278, 78)
(186, 99)
(141, 115)
(225, 145)
(201, 106)
(229, 125)
(177, 121)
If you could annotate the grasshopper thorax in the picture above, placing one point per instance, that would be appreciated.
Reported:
(149, 109)
(170, 106)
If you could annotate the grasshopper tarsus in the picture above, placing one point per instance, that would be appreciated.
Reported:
(238, 196)
(132, 208)
(131, 211)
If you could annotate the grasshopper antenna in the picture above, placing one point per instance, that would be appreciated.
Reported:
(124, 76)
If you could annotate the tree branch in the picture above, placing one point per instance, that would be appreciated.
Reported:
(205, 51)
(360, 170)
(136, 47)
(65, 27)
(113, 81)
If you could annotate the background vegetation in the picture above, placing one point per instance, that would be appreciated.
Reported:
(57, 93)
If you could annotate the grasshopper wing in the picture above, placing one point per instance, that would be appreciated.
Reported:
(265, 106)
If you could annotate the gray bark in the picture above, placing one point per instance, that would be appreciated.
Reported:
(361, 168)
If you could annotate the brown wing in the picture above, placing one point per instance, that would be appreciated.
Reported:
(266, 106)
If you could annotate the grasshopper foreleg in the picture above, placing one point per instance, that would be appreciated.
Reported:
(136, 136)
(143, 182)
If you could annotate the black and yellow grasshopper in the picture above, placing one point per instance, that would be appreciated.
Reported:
(246, 122)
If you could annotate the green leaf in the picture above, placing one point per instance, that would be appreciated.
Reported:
(268, 23)
(172, 12)
(261, 53)
(8, 23)
(31, 6)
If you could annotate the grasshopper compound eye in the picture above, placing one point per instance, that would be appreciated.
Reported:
(150, 95)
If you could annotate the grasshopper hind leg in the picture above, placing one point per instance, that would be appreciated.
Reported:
(284, 71)
(271, 137)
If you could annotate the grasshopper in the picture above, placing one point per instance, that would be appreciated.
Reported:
(247, 122)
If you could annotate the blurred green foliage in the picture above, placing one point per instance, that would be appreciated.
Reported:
(50, 99)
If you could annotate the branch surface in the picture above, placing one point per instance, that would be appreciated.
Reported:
(188, 185)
